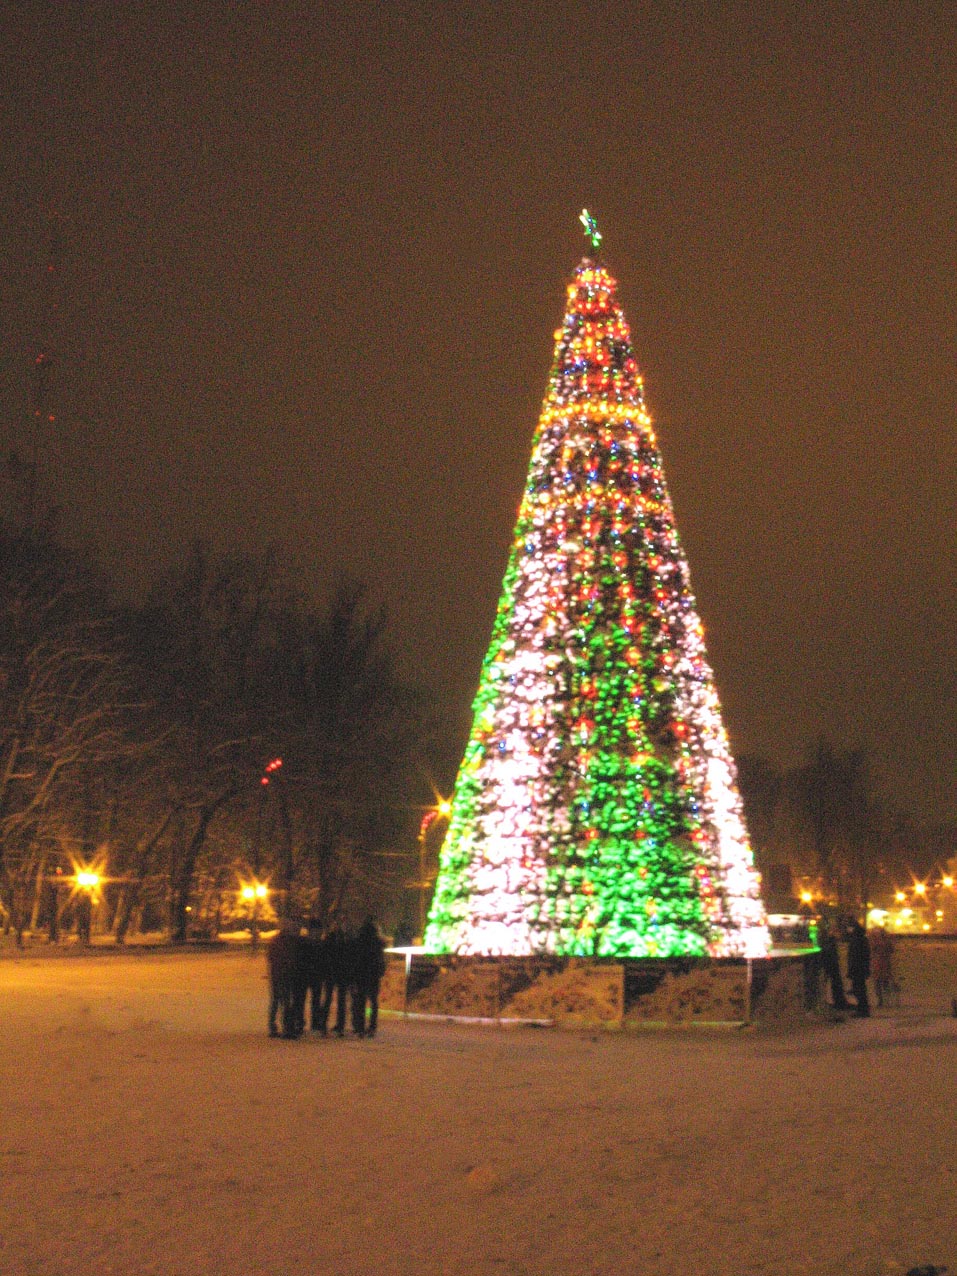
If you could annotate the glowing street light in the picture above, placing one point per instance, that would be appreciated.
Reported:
(87, 885)
(254, 894)
(254, 890)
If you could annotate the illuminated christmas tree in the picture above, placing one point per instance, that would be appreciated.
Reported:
(596, 811)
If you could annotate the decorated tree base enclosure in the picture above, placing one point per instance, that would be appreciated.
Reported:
(596, 814)
(585, 992)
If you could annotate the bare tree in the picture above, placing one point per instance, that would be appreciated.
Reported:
(143, 736)
(357, 734)
(834, 792)
(205, 643)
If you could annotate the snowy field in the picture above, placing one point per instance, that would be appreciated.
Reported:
(149, 1126)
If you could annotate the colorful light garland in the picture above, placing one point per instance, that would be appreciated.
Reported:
(596, 810)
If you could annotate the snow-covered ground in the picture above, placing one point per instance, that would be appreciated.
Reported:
(148, 1126)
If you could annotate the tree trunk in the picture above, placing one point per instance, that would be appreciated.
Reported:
(38, 894)
(179, 903)
(143, 861)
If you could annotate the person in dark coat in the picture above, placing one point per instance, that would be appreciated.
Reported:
(336, 979)
(859, 967)
(282, 956)
(830, 963)
(301, 982)
(368, 969)
(314, 974)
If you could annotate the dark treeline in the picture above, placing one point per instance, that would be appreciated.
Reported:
(826, 822)
(134, 741)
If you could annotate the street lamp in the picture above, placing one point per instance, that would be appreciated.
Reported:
(256, 890)
(87, 882)
(441, 811)
(254, 893)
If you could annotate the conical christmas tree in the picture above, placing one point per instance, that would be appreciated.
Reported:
(596, 811)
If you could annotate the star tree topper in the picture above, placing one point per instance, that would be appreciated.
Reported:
(592, 233)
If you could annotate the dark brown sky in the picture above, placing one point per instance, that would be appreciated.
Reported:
(314, 256)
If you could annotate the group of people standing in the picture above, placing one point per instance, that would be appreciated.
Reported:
(869, 957)
(321, 965)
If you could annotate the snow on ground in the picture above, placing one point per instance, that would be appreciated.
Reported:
(149, 1127)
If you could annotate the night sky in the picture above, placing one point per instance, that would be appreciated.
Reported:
(313, 257)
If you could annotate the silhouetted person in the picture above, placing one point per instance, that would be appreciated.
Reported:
(368, 967)
(301, 980)
(831, 965)
(282, 955)
(882, 966)
(314, 962)
(336, 979)
(859, 967)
